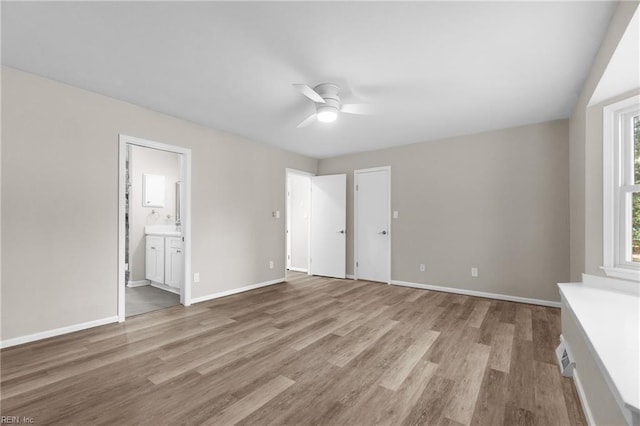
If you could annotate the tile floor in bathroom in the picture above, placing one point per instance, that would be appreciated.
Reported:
(139, 300)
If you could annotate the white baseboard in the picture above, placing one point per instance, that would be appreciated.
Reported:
(479, 294)
(138, 283)
(56, 332)
(165, 287)
(293, 268)
(576, 379)
(236, 290)
(583, 398)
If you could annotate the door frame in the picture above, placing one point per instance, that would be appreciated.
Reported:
(185, 176)
(355, 216)
(287, 249)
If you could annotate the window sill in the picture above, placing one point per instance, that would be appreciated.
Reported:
(624, 273)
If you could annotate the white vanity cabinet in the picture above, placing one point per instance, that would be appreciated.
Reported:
(173, 261)
(154, 259)
(164, 265)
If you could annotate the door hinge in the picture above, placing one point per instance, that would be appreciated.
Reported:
(357, 264)
(357, 187)
(310, 260)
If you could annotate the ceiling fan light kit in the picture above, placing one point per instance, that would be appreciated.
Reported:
(327, 103)
(327, 114)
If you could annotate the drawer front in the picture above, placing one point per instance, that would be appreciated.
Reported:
(155, 242)
(174, 242)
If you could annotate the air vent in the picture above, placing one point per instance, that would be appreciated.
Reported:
(564, 361)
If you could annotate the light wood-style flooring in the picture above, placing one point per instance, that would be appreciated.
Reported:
(309, 351)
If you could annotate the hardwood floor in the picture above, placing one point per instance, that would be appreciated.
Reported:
(310, 351)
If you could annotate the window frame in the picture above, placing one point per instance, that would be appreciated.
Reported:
(618, 187)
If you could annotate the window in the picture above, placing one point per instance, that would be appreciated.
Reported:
(621, 171)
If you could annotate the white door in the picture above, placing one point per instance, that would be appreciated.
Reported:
(328, 225)
(372, 242)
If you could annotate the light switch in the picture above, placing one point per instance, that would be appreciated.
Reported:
(395, 214)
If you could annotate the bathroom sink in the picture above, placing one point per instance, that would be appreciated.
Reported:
(163, 230)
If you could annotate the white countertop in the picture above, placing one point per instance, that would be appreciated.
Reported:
(163, 230)
(611, 322)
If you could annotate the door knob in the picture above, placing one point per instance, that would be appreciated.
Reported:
(341, 231)
(383, 232)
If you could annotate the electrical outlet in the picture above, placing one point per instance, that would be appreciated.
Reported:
(271, 264)
(474, 272)
(422, 267)
(395, 214)
(196, 277)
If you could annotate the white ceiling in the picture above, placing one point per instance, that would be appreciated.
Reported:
(433, 69)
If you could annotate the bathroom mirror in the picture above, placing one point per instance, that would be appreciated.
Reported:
(152, 190)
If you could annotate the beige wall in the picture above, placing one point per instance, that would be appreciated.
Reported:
(498, 201)
(155, 162)
(60, 202)
(586, 157)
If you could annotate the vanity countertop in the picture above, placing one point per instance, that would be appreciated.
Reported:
(163, 230)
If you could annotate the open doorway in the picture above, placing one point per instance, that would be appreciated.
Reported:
(154, 230)
(298, 211)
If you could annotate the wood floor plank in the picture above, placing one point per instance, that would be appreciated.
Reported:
(550, 405)
(521, 376)
(311, 350)
(180, 366)
(490, 407)
(479, 311)
(399, 371)
(544, 340)
(355, 346)
(501, 345)
(429, 408)
(523, 326)
(467, 386)
(247, 405)
(342, 319)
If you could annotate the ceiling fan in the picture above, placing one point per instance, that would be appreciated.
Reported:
(327, 103)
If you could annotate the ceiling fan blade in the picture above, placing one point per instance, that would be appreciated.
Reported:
(309, 93)
(362, 109)
(310, 119)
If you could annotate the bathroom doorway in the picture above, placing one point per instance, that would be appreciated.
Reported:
(154, 230)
